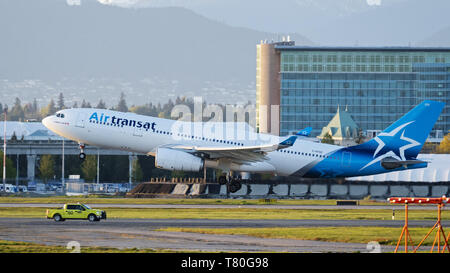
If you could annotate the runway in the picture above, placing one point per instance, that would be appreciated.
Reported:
(142, 233)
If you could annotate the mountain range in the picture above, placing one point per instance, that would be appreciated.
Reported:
(326, 22)
(152, 49)
(50, 39)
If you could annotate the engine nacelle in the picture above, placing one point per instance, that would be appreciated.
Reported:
(170, 159)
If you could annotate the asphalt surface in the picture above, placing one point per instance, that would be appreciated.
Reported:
(142, 233)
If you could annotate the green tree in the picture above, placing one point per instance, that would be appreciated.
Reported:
(61, 102)
(30, 110)
(10, 170)
(101, 105)
(89, 168)
(46, 167)
(17, 113)
(85, 104)
(444, 147)
(122, 105)
(50, 109)
(327, 138)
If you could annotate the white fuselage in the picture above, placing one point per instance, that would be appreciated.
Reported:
(144, 134)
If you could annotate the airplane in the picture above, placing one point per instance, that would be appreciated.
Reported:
(192, 146)
(304, 132)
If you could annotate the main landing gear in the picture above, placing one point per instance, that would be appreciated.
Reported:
(82, 155)
(233, 183)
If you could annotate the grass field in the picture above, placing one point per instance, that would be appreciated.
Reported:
(384, 236)
(240, 213)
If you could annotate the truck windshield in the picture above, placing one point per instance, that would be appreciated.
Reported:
(86, 206)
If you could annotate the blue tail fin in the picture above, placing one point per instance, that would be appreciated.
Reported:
(405, 137)
(305, 132)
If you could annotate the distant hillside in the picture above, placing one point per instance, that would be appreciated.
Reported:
(402, 24)
(50, 39)
(327, 22)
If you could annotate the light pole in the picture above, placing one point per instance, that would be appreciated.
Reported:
(62, 169)
(98, 166)
(4, 154)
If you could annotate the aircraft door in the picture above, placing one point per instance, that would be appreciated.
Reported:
(137, 131)
(81, 117)
(346, 159)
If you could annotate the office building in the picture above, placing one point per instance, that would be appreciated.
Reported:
(301, 86)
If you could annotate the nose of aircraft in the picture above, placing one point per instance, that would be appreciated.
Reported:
(46, 122)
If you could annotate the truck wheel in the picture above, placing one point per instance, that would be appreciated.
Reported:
(57, 218)
(92, 218)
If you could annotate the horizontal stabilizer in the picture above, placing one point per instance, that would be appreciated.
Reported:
(392, 163)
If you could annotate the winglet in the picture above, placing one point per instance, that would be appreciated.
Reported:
(287, 142)
(305, 132)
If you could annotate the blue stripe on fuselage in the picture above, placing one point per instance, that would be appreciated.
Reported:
(348, 162)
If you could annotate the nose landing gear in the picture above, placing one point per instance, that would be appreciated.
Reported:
(82, 155)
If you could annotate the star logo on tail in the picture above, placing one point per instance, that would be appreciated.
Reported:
(392, 144)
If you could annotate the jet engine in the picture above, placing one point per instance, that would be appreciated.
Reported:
(170, 159)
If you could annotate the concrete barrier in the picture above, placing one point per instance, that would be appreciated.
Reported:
(223, 190)
(332, 189)
(338, 190)
(438, 191)
(400, 190)
(180, 189)
(259, 189)
(419, 191)
(299, 190)
(197, 189)
(318, 190)
(378, 191)
(281, 189)
(358, 191)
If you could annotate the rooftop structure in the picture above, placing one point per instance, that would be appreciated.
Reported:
(342, 128)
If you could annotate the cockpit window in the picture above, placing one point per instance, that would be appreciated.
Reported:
(60, 115)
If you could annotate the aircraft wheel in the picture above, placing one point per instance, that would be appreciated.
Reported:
(82, 156)
(234, 186)
(222, 180)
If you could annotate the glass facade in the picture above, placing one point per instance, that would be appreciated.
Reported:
(378, 86)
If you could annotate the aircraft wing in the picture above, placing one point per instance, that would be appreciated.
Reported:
(240, 154)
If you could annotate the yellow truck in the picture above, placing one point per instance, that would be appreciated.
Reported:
(76, 211)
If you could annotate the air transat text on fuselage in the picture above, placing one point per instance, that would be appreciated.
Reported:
(115, 121)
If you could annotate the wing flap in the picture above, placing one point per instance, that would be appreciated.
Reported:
(243, 154)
